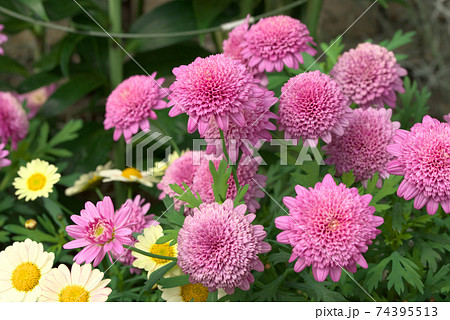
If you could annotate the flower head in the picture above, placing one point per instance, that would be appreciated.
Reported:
(35, 99)
(3, 39)
(88, 180)
(3, 154)
(276, 41)
(218, 247)
(329, 227)
(423, 158)
(36, 180)
(22, 267)
(99, 230)
(147, 243)
(131, 104)
(312, 106)
(129, 175)
(362, 147)
(13, 120)
(369, 75)
(216, 87)
(80, 284)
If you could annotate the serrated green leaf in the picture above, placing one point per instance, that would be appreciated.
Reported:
(156, 275)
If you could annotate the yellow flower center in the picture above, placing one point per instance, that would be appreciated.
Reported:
(94, 180)
(74, 293)
(162, 250)
(194, 292)
(128, 172)
(36, 182)
(99, 231)
(333, 224)
(25, 276)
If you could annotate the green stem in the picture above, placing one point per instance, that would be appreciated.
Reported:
(313, 9)
(151, 255)
(233, 167)
(99, 193)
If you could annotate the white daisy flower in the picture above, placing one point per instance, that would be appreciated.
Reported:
(129, 175)
(88, 180)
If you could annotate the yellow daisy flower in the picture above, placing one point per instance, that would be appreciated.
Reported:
(81, 284)
(187, 293)
(129, 175)
(88, 180)
(147, 242)
(36, 180)
(22, 267)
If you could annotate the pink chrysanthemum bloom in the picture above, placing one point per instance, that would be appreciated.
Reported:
(252, 134)
(218, 247)
(13, 120)
(131, 104)
(99, 230)
(447, 118)
(3, 154)
(362, 147)
(179, 171)
(423, 158)
(215, 87)
(277, 41)
(35, 99)
(138, 220)
(3, 39)
(369, 75)
(246, 173)
(312, 106)
(232, 48)
(329, 227)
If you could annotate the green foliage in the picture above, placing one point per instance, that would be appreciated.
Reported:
(185, 194)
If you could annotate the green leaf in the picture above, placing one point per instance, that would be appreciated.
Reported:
(37, 81)
(348, 178)
(220, 178)
(36, 234)
(37, 7)
(70, 92)
(207, 10)
(240, 195)
(173, 282)
(375, 274)
(170, 235)
(279, 257)
(186, 195)
(68, 45)
(175, 217)
(403, 269)
(332, 51)
(156, 275)
(399, 39)
(212, 296)
(8, 65)
(68, 133)
(317, 290)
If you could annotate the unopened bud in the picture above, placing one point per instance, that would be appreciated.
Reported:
(30, 224)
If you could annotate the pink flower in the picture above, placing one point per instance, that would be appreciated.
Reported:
(13, 120)
(3, 154)
(252, 134)
(362, 147)
(423, 158)
(35, 99)
(99, 230)
(246, 173)
(131, 104)
(329, 227)
(312, 106)
(138, 220)
(232, 48)
(276, 41)
(218, 247)
(216, 87)
(447, 118)
(3, 39)
(369, 75)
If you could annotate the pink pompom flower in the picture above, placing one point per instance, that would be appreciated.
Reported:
(218, 247)
(423, 158)
(138, 220)
(3, 154)
(3, 39)
(369, 75)
(276, 41)
(362, 147)
(132, 103)
(35, 99)
(99, 230)
(13, 120)
(216, 87)
(328, 227)
(312, 106)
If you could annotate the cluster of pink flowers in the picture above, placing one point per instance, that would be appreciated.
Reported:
(218, 247)
(13, 120)
(192, 168)
(329, 227)
(369, 75)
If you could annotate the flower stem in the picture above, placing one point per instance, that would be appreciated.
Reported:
(99, 193)
(233, 167)
(151, 255)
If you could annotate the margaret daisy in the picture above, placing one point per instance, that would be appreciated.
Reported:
(147, 242)
(22, 267)
(88, 180)
(81, 284)
(129, 175)
(36, 180)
